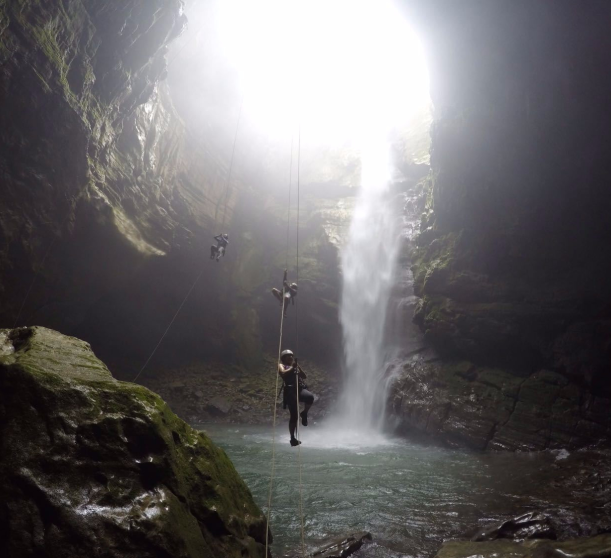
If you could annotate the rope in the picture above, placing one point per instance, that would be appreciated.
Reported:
(288, 213)
(169, 326)
(203, 268)
(227, 182)
(298, 180)
(297, 347)
(271, 481)
(271, 478)
(27, 295)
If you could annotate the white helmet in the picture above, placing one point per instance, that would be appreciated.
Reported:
(286, 353)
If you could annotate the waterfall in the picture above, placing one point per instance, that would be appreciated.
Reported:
(368, 263)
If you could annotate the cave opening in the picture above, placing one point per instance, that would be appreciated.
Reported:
(337, 93)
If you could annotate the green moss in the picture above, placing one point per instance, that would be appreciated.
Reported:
(74, 418)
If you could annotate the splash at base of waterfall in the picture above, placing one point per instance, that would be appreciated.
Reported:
(331, 435)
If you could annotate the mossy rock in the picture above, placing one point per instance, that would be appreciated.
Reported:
(91, 466)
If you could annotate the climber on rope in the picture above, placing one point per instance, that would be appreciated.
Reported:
(290, 292)
(294, 382)
(221, 244)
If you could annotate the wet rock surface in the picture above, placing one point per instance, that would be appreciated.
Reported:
(230, 394)
(505, 283)
(93, 466)
(344, 547)
(462, 404)
(528, 526)
(599, 546)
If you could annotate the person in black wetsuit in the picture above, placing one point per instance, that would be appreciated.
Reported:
(295, 392)
(290, 292)
(221, 244)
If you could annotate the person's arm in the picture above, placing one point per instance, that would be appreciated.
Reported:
(218, 237)
(286, 275)
(301, 373)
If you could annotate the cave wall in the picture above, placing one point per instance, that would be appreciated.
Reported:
(512, 263)
(110, 196)
(87, 150)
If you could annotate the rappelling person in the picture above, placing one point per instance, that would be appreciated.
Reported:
(290, 292)
(295, 391)
(221, 244)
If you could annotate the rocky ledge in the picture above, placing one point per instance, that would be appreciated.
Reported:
(90, 466)
(216, 392)
(465, 405)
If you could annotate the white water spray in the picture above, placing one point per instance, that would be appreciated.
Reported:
(368, 265)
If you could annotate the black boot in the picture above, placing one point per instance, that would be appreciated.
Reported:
(304, 418)
(295, 442)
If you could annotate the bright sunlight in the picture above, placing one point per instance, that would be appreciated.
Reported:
(340, 68)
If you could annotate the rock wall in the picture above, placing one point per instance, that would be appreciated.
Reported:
(109, 199)
(512, 263)
(84, 140)
(93, 466)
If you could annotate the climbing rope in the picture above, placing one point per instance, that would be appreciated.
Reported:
(169, 326)
(273, 466)
(288, 213)
(271, 478)
(297, 347)
(227, 182)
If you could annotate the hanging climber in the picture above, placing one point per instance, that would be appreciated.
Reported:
(221, 244)
(290, 292)
(295, 392)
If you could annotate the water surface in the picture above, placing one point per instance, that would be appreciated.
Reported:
(410, 497)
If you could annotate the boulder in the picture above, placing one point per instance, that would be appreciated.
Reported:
(91, 466)
(218, 406)
(341, 548)
(531, 525)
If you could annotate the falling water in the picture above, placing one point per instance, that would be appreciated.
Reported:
(368, 264)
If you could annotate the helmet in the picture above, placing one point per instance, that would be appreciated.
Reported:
(225, 236)
(286, 353)
(293, 285)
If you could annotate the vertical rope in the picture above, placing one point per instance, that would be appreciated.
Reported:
(300, 481)
(227, 183)
(288, 213)
(271, 478)
(297, 347)
(235, 139)
(298, 196)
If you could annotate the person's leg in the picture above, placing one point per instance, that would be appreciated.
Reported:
(212, 251)
(293, 409)
(277, 294)
(306, 397)
(220, 252)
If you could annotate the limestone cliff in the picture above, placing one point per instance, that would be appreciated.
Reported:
(110, 196)
(93, 466)
(512, 263)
